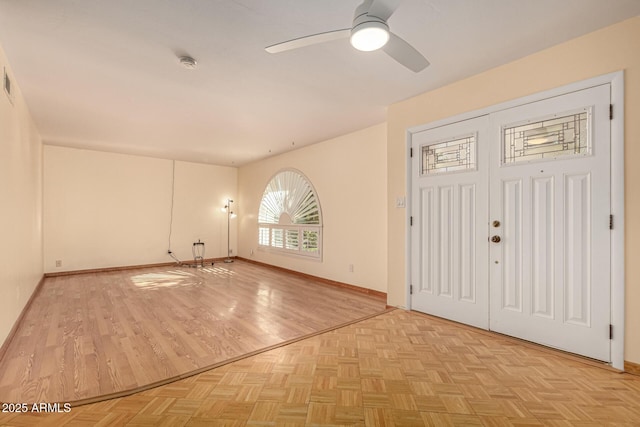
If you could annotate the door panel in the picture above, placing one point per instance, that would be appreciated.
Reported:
(542, 238)
(468, 232)
(578, 231)
(450, 208)
(550, 272)
(511, 240)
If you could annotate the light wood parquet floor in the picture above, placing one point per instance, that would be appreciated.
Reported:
(92, 335)
(396, 369)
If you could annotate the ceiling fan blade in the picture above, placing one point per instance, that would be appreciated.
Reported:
(383, 9)
(309, 40)
(405, 54)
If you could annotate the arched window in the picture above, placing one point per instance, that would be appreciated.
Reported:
(290, 219)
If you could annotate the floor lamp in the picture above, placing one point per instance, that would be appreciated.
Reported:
(229, 213)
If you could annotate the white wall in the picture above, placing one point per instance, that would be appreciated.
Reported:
(21, 204)
(110, 210)
(349, 176)
(201, 193)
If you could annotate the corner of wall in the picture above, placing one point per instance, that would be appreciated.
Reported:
(21, 252)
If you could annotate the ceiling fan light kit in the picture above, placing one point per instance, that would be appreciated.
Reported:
(370, 35)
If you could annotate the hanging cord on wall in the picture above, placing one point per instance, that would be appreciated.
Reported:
(173, 190)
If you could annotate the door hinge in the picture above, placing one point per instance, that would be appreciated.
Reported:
(410, 289)
(411, 221)
(610, 331)
(610, 111)
(610, 222)
(411, 152)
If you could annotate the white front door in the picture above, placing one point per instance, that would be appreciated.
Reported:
(450, 205)
(550, 183)
(535, 179)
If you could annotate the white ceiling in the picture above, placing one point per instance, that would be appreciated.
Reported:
(104, 74)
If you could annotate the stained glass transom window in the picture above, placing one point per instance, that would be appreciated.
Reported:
(547, 139)
(449, 156)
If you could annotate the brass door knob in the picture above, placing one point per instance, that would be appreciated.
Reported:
(495, 239)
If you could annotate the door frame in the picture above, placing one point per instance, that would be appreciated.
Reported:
(616, 80)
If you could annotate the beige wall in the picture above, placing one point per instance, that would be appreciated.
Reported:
(349, 175)
(610, 49)
(105, 209)
(21, 204)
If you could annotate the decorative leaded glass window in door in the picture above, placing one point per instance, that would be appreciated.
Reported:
(558, 136)
(449, 156)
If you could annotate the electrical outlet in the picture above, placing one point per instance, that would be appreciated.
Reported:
(251, 252)
(58, 263)
(350, 268)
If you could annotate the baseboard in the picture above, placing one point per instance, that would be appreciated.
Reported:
(370, 292)
(18, 321)
(131, 267)
(632, 368)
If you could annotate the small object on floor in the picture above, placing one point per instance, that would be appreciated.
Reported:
(198, 253)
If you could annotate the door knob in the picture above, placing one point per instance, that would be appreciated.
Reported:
(495, 239)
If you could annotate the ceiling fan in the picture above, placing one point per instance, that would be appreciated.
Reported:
(368, 32)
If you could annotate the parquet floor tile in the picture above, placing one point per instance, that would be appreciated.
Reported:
(380, 372)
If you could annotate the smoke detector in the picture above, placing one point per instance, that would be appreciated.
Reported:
(188, 62)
